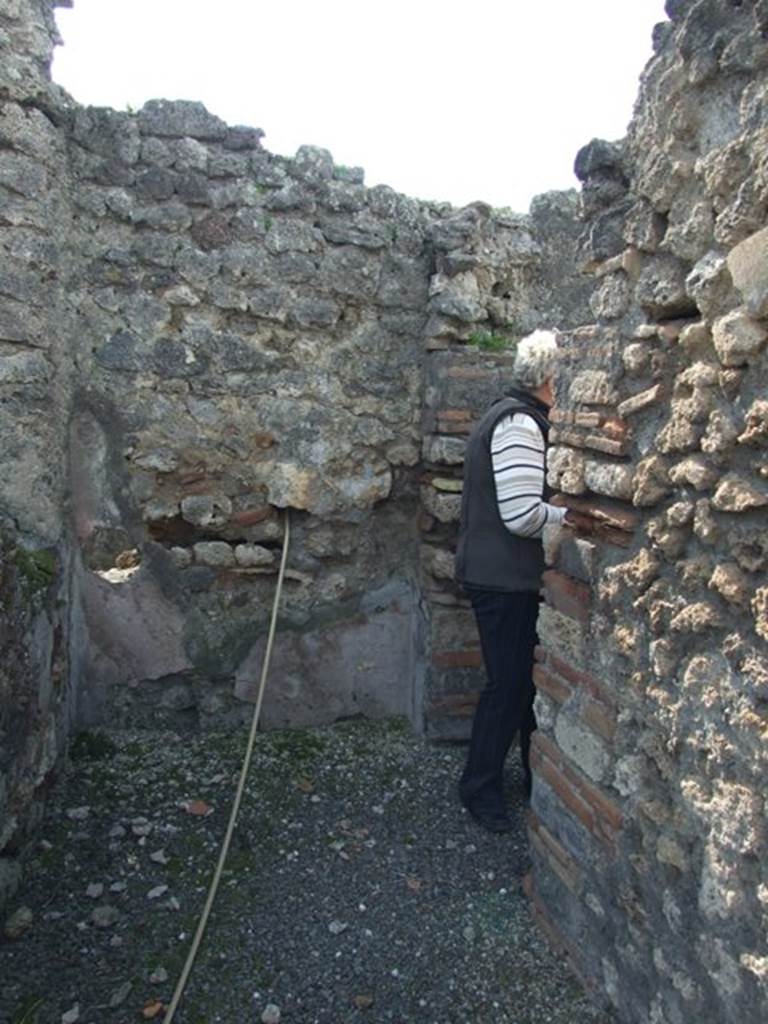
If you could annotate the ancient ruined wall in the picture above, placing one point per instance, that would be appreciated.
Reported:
(649, 818)
(35, 691)
(250, 341)
(497, 277)
(208, 335)
(254, 332)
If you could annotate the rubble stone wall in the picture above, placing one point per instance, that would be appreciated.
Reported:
(648, 823)
(36, 692)
(256, 334)
(497, 277)
(199, 335)
(250, 342)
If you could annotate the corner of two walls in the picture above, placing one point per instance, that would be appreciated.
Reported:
(648, 821)
(253, 338)
(498, 276)
(196, 335)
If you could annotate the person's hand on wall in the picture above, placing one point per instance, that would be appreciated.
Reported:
(577, 521)
(573, 520)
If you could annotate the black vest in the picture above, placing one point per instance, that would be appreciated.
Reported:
(488, 556)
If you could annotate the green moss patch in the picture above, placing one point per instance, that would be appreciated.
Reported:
(36, 569)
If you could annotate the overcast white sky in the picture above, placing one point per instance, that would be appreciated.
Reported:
(479, 99)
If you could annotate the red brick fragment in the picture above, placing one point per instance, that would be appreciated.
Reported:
(453, 426)
(600, 719)
(568, 795)
(460, 705)
(605, 809)
(641, 400)
(587, 419)
(251, 516)
(201, 483)
(598, 812)
(618, 538)
(607, 445)
(571, 879)
(555, 854)
(471, 658)
(561, 415)
(469, 373)
(615, 426)
(550, 684)
(581, 679)
(455, 414)
(606, 513)
(580, 439)
(543, 745)
(567, 595)
(191, 476)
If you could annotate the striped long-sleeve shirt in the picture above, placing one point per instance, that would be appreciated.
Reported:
(517, 455)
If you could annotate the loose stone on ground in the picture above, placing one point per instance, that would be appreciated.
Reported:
(371, 890)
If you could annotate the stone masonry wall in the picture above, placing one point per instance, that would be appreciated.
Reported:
(648, 823)
(253, 339)
(199, 335)
(250, 341)
(498, 276)
(35, 372)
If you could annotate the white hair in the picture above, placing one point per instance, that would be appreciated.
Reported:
(535, 360)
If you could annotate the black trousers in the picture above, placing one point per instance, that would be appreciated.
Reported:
(507, 626)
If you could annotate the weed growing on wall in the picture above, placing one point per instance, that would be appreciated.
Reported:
(488, 341)
(36, 569)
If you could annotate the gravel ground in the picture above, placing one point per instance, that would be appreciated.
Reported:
(357, 889)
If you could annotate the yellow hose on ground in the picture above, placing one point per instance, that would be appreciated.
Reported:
(239, 793)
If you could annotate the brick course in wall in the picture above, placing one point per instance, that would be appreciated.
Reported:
(650, 756)
(463, 375)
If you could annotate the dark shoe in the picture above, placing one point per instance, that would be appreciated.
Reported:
(492, 819)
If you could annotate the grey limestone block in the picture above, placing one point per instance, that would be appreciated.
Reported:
(180, 118)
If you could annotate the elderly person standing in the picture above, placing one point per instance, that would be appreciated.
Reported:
(499, 562)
